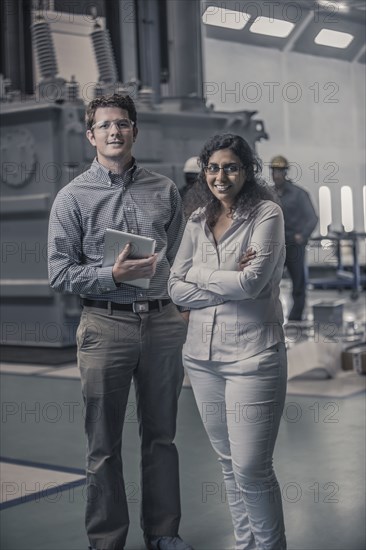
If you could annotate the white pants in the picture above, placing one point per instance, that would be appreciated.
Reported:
(241, 404)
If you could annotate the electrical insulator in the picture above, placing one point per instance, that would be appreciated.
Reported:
(43, 42)
(72, 90)
(104, 54)
(98, 90)
(146, 96)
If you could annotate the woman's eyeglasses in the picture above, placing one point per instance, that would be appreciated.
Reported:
(228, 169)
(122, 125)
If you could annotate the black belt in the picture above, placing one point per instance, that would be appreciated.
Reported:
(136, 307)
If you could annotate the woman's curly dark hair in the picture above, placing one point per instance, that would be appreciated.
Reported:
(253, 191)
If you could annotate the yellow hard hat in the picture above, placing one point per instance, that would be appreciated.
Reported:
(279, 162)
(191, 166)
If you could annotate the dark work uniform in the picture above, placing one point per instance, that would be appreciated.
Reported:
(300, 217)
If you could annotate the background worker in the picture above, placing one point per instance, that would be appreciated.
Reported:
(300, 221)
(191, 170)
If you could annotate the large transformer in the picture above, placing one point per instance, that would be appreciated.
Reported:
(43, 147)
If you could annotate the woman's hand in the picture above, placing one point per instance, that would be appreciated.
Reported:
(185, 315)
(246, 258)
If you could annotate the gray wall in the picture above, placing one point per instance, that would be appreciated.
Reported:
(318, 118)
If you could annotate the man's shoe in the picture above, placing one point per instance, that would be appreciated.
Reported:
(166, 543)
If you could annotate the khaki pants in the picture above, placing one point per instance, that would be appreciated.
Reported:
(113, 348)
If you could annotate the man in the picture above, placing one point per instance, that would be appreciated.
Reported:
(125, 332)
(191, 169)
(300, 221)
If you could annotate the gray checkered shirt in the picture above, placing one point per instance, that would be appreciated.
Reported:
(139, 201)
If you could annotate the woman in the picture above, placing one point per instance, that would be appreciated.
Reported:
(234, 353)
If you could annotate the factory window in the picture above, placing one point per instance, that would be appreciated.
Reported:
(325, 209)
(347, 208)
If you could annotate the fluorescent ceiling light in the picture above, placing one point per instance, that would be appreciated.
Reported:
(229, 19)
(341, 6)
(272, 27)
(335, 39)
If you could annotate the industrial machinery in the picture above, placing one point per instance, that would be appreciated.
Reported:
(43, 145)
(353, 277)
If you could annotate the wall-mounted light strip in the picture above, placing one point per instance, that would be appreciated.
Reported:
(335, 39)
(325, 209)
(272, 27)
(229, 19)
(347, 208)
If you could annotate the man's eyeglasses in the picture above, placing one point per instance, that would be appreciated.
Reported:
(122, 125)
(228, 169)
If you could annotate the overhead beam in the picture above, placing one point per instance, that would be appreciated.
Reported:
(299, 29)
(359, 54)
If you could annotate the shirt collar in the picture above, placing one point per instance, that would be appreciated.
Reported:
(199, 215)
(107, 177)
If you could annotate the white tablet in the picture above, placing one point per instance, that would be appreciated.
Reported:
(141, 247)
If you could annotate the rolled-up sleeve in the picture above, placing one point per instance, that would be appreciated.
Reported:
(182, 292)
(269, 243)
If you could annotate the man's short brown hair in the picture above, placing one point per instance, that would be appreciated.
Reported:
(116, 100)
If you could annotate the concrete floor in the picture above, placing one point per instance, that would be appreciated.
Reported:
(319, 460)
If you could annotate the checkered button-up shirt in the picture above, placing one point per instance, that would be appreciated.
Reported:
(139, 201)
